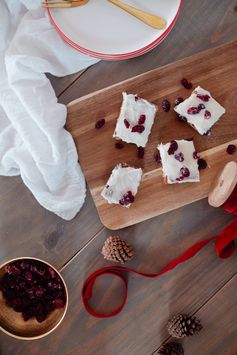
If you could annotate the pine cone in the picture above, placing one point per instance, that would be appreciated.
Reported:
(171, 348)
(183, 325)
(117, 250)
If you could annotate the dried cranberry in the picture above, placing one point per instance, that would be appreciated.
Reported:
(138, 128)
(207, 114)
(181, 118)
(196, 155)
(119, 145)
(178, 101)
(127, 199)
(52, 272)
(179, 178)
(142, 119)
(140, 152)
(193, 110)
(204, 98)
(187, 84)
(157, 157)
(166, 105)
(202, 164)
(100, 123)
(208, 132)
(179, 157)
(40, 292)
(24, 265)
(28, 276)
(173, 147)
(201, 107)
(127, 124)
(185, 172)
(231, 149)
(58, 303)
(12, 270)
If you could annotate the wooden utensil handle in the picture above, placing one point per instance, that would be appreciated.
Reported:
(150, 19)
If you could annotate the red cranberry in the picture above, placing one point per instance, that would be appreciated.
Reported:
(40, 292)
(127, 124)
(52, 272)
(166, 105)
(119, 145)
(138, 128)
(100, 123)
(208, 132)
(201, 107)
(157, 157)
(202, 164)
(204, 98)
(28, 276)
(207, 114)
(179, 157)
(178, 101)
(231, 149)
(181, 118)
(127, 199)
(58, 303)
(173, 147)
(184, 172)
(187, 84)
(193, 110)
(140, 152)
(196, 155)
(179, 178)
(142, 119)
(12, 270)
(24, 265)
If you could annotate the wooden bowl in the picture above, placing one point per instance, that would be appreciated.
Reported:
(12, 322)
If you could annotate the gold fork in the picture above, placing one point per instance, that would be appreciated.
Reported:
(63, 3)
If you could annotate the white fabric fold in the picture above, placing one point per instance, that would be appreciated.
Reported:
(33, 141)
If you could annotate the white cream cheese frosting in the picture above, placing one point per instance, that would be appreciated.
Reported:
(207, 116)
(179, 165)
(131, 110)
(122, 180)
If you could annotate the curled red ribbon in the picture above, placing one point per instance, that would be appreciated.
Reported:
(224, 245)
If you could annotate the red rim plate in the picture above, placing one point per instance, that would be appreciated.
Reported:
(128, 55)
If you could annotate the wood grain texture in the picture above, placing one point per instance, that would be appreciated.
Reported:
(27, 229)
(140, 328)
(213, 339)
(214, 70)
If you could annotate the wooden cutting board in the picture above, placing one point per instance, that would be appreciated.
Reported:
(214, 70)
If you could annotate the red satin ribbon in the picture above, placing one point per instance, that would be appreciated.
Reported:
(224, 245)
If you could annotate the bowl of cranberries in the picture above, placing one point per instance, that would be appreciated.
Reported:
(33, 298)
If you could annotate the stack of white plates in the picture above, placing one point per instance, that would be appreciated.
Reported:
(102, 30)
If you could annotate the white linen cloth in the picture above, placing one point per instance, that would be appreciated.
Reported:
(33, 142)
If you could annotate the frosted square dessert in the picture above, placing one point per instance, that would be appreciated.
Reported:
(200, 110)
(135, 120)
(179, 161)
(122, 185)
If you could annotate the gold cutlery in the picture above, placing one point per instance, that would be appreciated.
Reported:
(152, 20)
(63, 3)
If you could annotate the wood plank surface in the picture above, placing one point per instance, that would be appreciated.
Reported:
(214, 70)
(201, 25)
(213, 339)
(27, 229)
(140, 328)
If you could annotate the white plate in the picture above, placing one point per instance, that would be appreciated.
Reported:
(105, 31)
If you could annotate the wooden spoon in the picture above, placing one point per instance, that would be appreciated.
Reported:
(149, 19)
